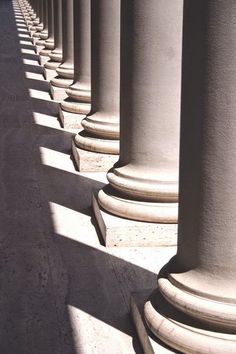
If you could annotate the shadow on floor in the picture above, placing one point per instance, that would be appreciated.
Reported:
(43, 272)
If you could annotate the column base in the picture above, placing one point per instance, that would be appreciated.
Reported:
(38, 48)
(66, 72)
(183, 333)
(149, 343)
(57, 93)
(49, 45)
(95, 144)
(45, 52)
(35, 37)
(56, 56)
(120, 232)
(127, 207)
(29, 24)
(49, 74)
(88, 161)
(72, 106)
(35, 40)
(70, 120)
(32, 31)
(44, 35)
(61, 82)
(43, 59)
(52, 65)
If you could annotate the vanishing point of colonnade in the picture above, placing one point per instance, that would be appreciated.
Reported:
(115, 68)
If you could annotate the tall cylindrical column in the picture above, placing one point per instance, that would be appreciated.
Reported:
(79, 92)
(56, 53)
(39, 27)
(101, 126)
(35, 18)
(29, 14)
(144, 182)
(49, 43)
(65, 70)
(44, 33)
(198, 313)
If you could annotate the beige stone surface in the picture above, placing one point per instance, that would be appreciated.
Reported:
(70, 120)
(49, 74)
(120, 232)
(58, 93)
(38, 48)
(92, 161)
(43, 59)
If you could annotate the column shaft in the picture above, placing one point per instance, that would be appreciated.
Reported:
(199, 284)
(101, 127)
(49, 43)
(144, 182)
(65, 70)
(39, 26)
(80, 91)
(44, 32)
(56, 54)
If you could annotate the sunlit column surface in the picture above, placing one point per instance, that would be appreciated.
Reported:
(49, 42)
(101, 126)
(65, 70)
(39, 26)
(143, 185)
(194, 309)
(55, 56)
(79, 92)
(44, 34)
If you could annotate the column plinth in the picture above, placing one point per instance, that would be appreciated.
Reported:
(79, 93)
(194, 307)
(101, 126)
(143, 184)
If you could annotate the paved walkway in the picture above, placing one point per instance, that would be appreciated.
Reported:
(61, 290)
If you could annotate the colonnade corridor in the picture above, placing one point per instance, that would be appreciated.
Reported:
(61, 290)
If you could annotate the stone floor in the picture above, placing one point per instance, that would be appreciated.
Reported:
(62, 291)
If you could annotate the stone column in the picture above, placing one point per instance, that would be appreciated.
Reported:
(78, 104)
(195, 308)
(43, 35)
(49, 42)
(100, 137)
(65, 71)
(28, 7)
(144, 183)
(28, 13)
(39, 27)
(23, 7)
(35, 18)
(56, 54)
